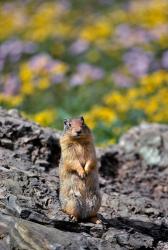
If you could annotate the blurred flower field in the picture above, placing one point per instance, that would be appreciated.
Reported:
(106, 60)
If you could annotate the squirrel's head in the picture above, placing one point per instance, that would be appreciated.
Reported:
(76, 128)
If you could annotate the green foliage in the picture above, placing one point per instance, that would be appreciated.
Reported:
(106, 60)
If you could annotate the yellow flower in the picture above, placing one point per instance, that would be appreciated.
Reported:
(111, 141)
(98, 30)
(151, 107)
(27, 88)
(47, 22)
(149, 15)
(155, 79)
(11, 20)
(163, 41)
(60, 68)
(25, 73)
(107, 143)
(43, 84)
(140, 104)
(98, 113)
(90, 120)
(114, 98)
(132, 94)
(45, 117)
(12, 101)
(161, 116)
(117, 101)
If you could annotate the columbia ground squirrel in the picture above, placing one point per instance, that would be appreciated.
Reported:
(79, 187)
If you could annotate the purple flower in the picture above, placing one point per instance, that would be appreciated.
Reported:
(13, 49)
(90, 71)
(159, 31)
(44, 62)
(12, 85)
(122, 80)
(128, 36)
(137, 61)
(86, 72)
(77, 79)
(79, 47)
(40, 61)
(164, 60)
(55, 79)
(1, 64)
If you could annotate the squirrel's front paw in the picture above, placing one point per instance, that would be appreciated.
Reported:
(87, 170)
(82, 173)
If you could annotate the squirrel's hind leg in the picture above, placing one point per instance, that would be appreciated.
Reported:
(72, 209)
(73, 218)
(95, 220)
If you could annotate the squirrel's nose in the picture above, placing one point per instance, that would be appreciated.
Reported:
(78, 132)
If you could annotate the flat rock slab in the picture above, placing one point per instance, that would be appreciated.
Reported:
(133, 181)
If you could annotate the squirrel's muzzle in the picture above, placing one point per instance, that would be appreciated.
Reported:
(78, 132)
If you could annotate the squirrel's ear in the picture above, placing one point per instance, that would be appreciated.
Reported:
(82, 119)
(65, 121)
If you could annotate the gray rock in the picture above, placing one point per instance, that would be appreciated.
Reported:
(133, 181)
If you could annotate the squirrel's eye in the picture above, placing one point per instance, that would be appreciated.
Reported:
(69, 125)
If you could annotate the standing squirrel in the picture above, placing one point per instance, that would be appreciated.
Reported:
(79, 187)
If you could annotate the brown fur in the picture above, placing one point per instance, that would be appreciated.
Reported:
(79, 188)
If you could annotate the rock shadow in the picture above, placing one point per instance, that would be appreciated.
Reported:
(157, 231)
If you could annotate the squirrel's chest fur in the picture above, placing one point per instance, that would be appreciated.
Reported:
(81, 152)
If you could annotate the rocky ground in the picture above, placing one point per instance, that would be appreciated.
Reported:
(133, 180)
